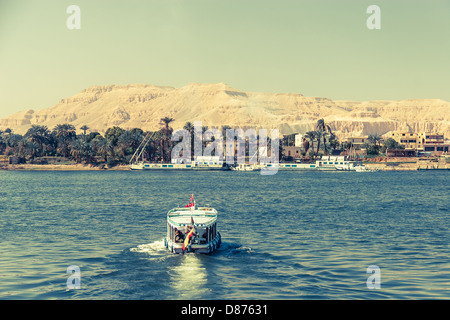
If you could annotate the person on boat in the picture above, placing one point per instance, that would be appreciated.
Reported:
(194, 234)
(205, 236)
(179, 236)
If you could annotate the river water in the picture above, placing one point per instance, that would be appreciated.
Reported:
(293, 235)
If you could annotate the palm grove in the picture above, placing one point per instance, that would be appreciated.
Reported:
(322, 141)
(117, 145)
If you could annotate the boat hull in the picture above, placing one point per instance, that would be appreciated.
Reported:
(206, 248)
(175, 166)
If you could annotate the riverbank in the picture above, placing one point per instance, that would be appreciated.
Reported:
(406, 164)
(61, 167)
(387, 166)
(405, 167)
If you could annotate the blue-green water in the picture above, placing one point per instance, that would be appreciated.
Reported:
(293, 235)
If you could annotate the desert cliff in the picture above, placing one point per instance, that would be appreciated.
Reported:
(143, 106)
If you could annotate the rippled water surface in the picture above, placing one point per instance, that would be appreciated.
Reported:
(294, 235)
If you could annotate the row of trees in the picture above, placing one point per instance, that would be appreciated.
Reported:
(377, 146)
(118, 145)
(322, 137)
(324, 140)
(115, 146)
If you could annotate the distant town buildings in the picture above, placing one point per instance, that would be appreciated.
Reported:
(294, 152)
(357, 142)
(424, 142)
(414, 144)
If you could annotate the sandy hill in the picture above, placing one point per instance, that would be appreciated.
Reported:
(143, 106)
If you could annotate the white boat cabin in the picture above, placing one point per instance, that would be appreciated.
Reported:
(181, 221)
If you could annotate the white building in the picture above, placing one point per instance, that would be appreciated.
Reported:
(298, 140)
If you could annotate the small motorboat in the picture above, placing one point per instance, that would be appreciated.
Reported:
(192, 229)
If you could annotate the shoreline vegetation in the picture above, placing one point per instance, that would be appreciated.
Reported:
(63, 149)
(61, 167)
(393, 165)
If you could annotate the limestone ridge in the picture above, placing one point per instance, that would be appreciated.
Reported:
(142, 106)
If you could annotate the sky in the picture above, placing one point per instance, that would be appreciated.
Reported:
(317, 48)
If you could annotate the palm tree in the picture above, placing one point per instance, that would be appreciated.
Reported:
(165, 121)
(128, 143)
(39, 136)
(102, 147)
(30, 149)
(320, 135)
(2, 143)
(311, 135)
(165, 142)
(113, 134)
(367, 147)
(64, 133)
(305, 145)
(334, 142)
(324, 137)
(377, 139)
(81, 150)
(13, 140)
(76, 150)
(347, 146)
(84, 128)
(189, 127)
(19, 148)
(204, 143)
(322, 126)
(8, 131)
(153, 150)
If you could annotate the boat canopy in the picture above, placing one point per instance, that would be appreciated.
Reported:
(202, 217)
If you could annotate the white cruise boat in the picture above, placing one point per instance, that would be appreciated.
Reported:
(192, 229)
(358, 167)
(201, 163)
(363, 168)
(244, 167)
(327, 163)
(178, 166)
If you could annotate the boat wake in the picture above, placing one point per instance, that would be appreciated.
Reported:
(189, 279)
(153, 251)
(242, 250)
(231, 249)
(188, 276)
(187, 273)
(150, 248)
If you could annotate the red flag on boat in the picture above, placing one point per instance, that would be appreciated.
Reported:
(191, 202)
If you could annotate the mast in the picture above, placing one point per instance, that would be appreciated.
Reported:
(140, 150)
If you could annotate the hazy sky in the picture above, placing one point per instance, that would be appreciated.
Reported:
(315, 47)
